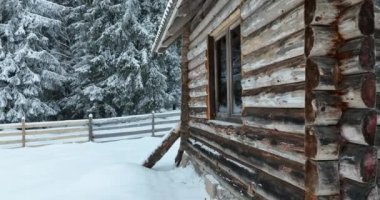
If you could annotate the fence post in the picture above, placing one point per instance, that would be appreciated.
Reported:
(90, 132)
(153, 124)
(23, 134)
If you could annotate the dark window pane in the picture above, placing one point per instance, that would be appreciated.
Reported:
(221, 62)
(236, 70)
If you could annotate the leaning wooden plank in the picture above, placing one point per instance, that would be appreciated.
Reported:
(163, 148)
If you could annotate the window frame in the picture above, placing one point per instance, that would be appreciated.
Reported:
(229, 115)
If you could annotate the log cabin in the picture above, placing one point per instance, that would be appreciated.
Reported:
(279, 96)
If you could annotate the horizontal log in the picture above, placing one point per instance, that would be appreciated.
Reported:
(354, 190)
(235, 176)
(268, 12)
(359, 91)
(223, 26)
(359, 126)
(323, 107)
(202, 166)
(201, 13)
(275, 89)
(208, 19)
(293, 99)
(322, 142)
(258, 182)
(287, 48)
(199, 60)
(255, 122)
(321, 12)
(321, 73)
(198, 112)
(286, 141)
(199, 102)
(323, 178)
(198, 49)
(217, 20)
(230, 134)
(249, 7)
(357, 20)
(295, 115)
(259, 161)
(197, 71)
(357, 56)
(320, 41)
(358, 163)
(198, 92)
(294, 73)
(274, 31)
(200, 81)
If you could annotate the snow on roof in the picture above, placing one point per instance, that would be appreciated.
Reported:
(166, 20)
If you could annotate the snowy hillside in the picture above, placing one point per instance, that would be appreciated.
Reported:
(64, 59)
(96, 172)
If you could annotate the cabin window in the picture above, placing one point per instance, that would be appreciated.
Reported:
(227, 74)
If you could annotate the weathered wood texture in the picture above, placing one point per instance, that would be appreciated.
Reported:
(270, 141)
(309, 92)
(377, 71)
(357, 58)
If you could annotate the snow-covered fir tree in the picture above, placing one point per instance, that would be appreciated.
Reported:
(116, 72)
(32, 55)
(64, 59)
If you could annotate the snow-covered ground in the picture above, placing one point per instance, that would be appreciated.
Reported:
(96, 171)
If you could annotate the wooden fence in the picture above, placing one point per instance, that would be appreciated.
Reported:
(25, 134)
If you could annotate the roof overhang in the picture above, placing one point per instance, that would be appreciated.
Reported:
(177, 14)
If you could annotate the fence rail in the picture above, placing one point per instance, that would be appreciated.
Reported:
(29, 134)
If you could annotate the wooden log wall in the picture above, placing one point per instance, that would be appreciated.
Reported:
(377, 71)
(263, 156)
(357, 88)
(309, 115)
(323, 105)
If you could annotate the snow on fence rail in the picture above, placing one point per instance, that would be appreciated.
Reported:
(29, 134)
